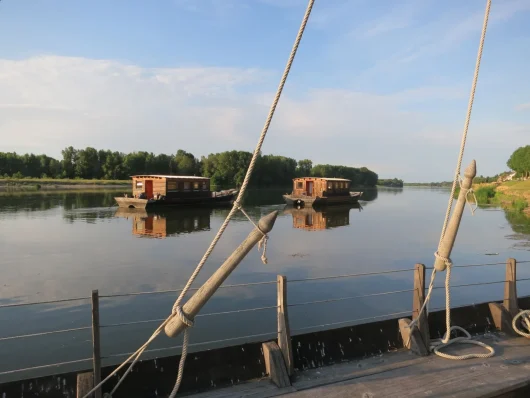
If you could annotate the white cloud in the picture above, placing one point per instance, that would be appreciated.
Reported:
(48, 103)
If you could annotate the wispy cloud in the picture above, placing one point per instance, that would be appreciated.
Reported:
(47, 103)
(523, 107)
(399, 16)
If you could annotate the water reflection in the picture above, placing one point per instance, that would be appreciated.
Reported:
(166, 223)
(520, 224)
(14, 202)
(312, 219)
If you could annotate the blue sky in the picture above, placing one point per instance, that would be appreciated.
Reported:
(376, 83)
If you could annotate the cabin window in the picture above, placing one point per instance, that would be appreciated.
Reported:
(299, 185)
(139, 184)
(204, 186)
(330, 186)
(195, 185)
(172, 186)
(187, 185)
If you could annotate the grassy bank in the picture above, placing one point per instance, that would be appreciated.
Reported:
(53, 183)
(511, 195)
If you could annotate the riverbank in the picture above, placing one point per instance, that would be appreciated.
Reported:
(511, 195)
(36, 184)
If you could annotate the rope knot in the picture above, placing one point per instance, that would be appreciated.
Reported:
(446, 260)
(183, 317)
(263, 243)
(467, 192)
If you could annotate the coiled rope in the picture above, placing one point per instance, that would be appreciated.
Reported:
(446, 340)
(525, 315)
(236, 206)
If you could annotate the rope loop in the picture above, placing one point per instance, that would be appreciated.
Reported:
(468, 191)
(263, 240)
(446, 260)
(183, 317)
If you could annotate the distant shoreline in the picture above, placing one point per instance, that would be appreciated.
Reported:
(45, 184)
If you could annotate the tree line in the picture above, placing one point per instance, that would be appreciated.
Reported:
(225, 168)
(394, 183)
(520, 161)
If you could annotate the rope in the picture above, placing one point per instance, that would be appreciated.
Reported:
(525, 315)
(236, 206)
(446, 340)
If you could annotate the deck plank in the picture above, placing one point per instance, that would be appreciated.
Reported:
(402, 374)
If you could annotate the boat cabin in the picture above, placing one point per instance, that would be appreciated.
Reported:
(156, 186)
(321, 187)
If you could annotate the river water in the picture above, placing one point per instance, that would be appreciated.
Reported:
(63, 245)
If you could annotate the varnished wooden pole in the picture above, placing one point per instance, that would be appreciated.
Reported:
(201, 296)
(452, 228)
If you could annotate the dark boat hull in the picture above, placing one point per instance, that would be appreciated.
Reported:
(322, 201)
(218, 199)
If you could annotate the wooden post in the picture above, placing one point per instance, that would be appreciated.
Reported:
(203, 294)
(510, 288)
(454, 222)
(284, 330)
(417, 338)
(85, 383)
(96, 347)
(417, 302)
(503, 314)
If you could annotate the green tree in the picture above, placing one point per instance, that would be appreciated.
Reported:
(184, 163)
(87, 164)
(69, 161)
(304, 168)
(520, 161)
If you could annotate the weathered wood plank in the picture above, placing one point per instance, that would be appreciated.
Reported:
(437, 377)
(412, 338)
(85, 383)
(502, 318)
(275, 365)
(96, 345)
(284, 330)
(417, 302)
(510, 287)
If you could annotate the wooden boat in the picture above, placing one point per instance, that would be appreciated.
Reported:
(317, 191)
(159, 190)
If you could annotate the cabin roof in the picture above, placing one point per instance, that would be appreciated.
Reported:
(323, 178)
(170, 177)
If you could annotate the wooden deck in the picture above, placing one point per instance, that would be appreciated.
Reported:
(402, 374)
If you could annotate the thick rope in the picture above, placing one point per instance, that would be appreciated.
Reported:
(236, 206)
(525, 314)
(446, 340)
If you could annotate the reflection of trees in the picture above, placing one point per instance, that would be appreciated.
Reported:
(519, 222)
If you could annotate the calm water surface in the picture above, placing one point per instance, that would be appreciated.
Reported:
(63, 245)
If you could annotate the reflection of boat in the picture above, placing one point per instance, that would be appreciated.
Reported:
(312, 219)
(161, 224)
(316, 191)
(158, 190)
